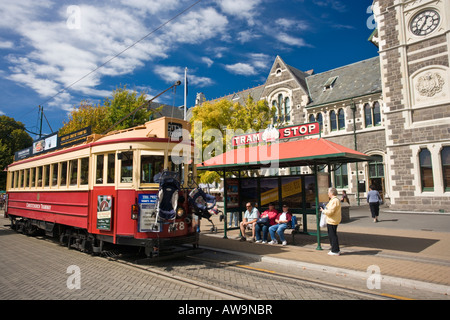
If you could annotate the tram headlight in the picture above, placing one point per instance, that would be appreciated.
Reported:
(180, 212)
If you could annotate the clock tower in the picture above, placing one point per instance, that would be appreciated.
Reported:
(414, 43)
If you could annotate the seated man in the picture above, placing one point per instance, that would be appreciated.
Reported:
(282, 221)
(249, 221)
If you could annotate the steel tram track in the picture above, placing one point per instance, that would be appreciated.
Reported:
(237, 268)
(298, 279)
(213, 290)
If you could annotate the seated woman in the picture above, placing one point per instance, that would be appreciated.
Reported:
(271, 214)
(282, 221)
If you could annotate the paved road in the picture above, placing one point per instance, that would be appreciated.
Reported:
(35, 268)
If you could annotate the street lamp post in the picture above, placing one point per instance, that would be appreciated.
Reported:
(353, 107)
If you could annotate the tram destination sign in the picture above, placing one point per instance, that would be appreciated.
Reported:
(272, 134)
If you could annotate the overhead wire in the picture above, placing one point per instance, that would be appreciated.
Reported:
(124, 50)
(121, 52)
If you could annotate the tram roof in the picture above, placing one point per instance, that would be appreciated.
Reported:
(152, 131)
(287, 154)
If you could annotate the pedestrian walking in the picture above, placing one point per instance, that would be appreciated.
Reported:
(374, 200)
(333, 213)
(344, 197)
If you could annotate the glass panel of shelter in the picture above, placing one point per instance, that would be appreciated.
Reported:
(297, 191)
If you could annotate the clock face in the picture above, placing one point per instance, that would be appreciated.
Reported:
(425, 22)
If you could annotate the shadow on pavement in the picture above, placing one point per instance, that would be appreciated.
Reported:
(385, 242)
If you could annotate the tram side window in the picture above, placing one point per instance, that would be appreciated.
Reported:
(150, 167)
(46, 175)
(111, 168)
(14, 179)
(126, 172)
(54, 174)
(99, 169)
(63, 178)
(20, 179)
(25, 177)
(39, 177)
(73, 172)
(84, 173)
(32, 178)
(11, 181)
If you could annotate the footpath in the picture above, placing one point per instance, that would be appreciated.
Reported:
(408, 249)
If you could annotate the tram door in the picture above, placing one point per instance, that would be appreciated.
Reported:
(103, 210)
(103, 195)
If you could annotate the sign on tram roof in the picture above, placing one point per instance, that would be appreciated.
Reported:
(52, 142)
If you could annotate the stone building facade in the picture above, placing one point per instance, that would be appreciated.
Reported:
(414, 56)
(394, 107)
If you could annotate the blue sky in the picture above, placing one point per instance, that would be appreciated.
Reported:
(227, 45)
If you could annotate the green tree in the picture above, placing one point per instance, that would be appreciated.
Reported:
(13, 137)
(102, 116)
(218, 117)
(87, 115)
(122, 103)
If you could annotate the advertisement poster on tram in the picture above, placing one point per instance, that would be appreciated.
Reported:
(104, 209)
(147, 213)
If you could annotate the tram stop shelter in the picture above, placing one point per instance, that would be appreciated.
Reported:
(302, 192)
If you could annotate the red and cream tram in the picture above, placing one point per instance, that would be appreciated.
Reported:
(105, 189)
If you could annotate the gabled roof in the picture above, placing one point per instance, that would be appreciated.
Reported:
(300, 76)
(351, 81)
(347, 82)
(242, 96)
(166, 111)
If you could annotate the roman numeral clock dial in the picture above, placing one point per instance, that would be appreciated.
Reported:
(425, 22)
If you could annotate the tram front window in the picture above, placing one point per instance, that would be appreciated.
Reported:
(126, 172)
(151, 166)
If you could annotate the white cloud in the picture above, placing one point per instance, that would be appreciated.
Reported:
(245, 69)
(243, 9)
(171, 74)
(334, 4)
(292, 24)
(152, 6)
(290, 40)
(6, 44)
(246, 36)
(260, 60)
(197, 26)
(59, 56)
(257, 62)
(207, 61)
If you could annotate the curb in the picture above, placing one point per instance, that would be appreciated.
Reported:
(387, 280)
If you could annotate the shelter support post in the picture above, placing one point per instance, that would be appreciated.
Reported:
(319, 247)
(224, 206)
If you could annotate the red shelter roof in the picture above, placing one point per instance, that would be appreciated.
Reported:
(284, 154)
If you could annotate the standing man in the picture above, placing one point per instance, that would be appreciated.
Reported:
(249, 221)
(333, 213)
